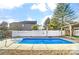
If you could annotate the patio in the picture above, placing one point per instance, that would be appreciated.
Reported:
(35, 48)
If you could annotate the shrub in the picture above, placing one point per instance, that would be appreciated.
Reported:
(18, 37)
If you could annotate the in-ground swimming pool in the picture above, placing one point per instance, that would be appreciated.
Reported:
(44, 41)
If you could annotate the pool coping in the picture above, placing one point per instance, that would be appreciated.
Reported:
(69, 40)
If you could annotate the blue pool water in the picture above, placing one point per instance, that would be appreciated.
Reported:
(44, 41)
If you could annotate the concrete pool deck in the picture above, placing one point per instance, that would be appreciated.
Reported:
(12, 45)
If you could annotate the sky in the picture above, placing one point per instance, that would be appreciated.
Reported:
(20, 10)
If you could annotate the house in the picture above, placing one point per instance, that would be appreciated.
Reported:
(23, 25)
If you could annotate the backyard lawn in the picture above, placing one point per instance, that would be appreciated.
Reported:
(76, 36)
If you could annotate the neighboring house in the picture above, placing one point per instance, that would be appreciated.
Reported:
(23, 25)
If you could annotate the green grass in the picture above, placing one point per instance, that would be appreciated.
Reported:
(67, 35)
(75, 36)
